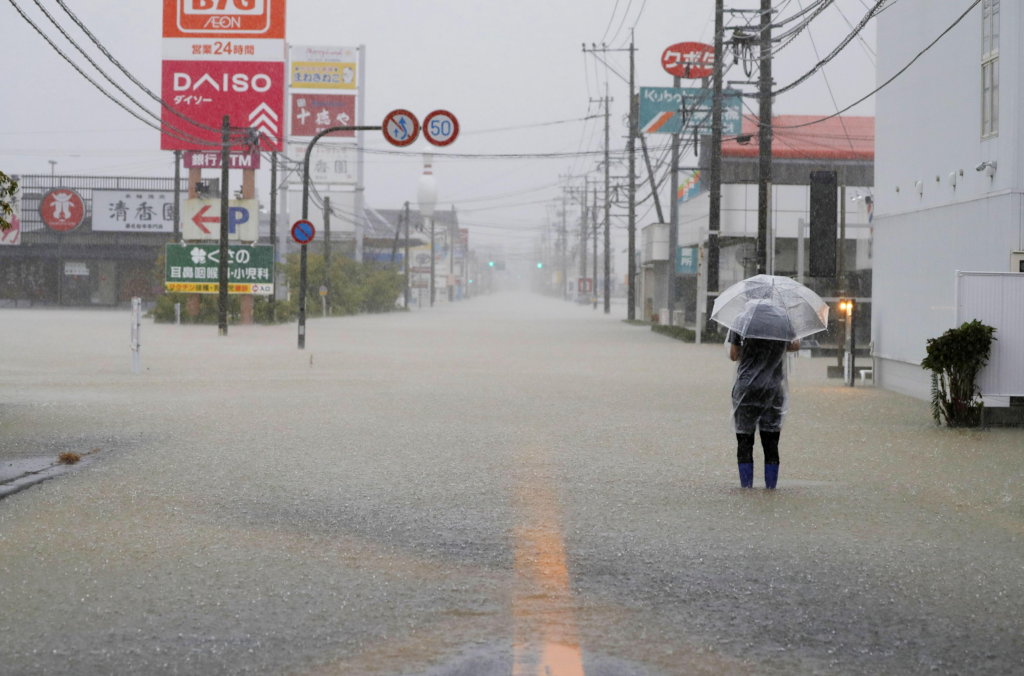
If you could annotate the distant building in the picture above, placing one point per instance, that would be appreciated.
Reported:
(802, 144)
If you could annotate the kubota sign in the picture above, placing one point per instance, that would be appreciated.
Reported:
(224, 18)
(692, 60)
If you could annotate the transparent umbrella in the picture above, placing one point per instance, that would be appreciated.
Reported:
(770, 307)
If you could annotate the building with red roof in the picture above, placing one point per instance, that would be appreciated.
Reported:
(802, 144)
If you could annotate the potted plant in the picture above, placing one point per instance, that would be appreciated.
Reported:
(955, 359)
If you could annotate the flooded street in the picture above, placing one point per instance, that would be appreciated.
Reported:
(507, 485)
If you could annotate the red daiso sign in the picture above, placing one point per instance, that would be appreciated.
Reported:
(250, 92)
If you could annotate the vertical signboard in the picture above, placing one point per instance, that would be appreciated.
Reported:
(222, 57)
(325, 84)
(824, 203)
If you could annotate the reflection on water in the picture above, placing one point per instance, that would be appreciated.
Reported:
(547, 639)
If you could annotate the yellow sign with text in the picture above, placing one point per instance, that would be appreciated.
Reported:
(323, 75)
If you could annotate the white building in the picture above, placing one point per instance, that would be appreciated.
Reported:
(949, 170)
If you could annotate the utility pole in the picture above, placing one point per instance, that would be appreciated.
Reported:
(563, 243)
(714, 169)
(764, 166)
(222, 266)
(631, 264)
(584, 218)
(607, 204)
(603, 49)
(593, 219)
(673, 209)
(273, 231)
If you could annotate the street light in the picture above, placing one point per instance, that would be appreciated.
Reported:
(426, 195)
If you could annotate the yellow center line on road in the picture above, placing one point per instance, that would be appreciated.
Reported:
(547, 641)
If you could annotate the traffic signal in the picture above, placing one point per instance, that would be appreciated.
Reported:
(490, 264)
(540, 265)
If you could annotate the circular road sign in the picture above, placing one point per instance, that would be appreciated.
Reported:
(303, 232)
(62, 209)
(440, 127)
(400, 127)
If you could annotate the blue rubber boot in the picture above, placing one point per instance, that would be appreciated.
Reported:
(746, 474)
(771, 476)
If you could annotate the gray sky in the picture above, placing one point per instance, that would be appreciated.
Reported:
(502, 67)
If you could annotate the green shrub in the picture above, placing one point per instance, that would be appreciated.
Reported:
(678, 332)
(955, 359)
(354, 288)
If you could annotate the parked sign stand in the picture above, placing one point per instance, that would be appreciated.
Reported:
(136, 334)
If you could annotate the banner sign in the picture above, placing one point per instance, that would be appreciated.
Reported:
(224, 18)
(316, 67)
(687, 260)
(132, 211)
(690, 60)
(689, 188)
(312, 113)
(194, 268)
(331, 163)
(200, 219)
(211, 159)
(222, 57)
(250, 92)
(660, 108)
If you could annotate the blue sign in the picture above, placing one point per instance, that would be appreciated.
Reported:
(687, 260)
(660, 108)
(303, 232)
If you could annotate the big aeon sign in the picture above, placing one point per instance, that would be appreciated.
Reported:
(224, 18)
(250, 92)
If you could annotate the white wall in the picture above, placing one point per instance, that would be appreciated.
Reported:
(928, 125)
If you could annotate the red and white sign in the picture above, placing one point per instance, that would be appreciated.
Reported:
(440, 127)
(691, 60)
(312, 113)
(251, 93)
(211, 159)
(224, 18)
(400, 127)
(200, 220)
(62, 209)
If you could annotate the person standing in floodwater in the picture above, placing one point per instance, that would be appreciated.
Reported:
(759, 402)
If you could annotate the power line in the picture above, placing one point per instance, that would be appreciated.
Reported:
(835, 52)
(896, 75)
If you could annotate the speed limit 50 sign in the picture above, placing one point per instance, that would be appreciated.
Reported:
(440, 127)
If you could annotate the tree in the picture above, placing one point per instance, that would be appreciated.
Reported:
(8, 188)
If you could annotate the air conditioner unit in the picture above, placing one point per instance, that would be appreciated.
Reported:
(1017, 261)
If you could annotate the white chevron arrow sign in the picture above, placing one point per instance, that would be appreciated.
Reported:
(265, 120)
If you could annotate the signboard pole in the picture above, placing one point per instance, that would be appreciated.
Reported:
(136, 334)
(303, 264)
(222, 273)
